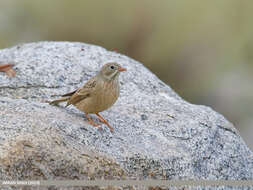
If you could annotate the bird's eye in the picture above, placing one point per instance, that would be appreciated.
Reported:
(112, 67)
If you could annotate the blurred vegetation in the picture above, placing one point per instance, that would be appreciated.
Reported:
(202, 49)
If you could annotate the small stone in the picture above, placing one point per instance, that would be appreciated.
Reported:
(144, 117)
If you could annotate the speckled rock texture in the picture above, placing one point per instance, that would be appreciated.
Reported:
(157, 134)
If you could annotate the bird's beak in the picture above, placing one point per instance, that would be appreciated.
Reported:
(121, 69)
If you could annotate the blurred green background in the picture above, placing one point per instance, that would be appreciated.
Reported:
(202, 49)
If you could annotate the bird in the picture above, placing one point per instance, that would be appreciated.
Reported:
(98, 94)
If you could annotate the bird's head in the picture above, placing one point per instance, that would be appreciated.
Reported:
(110, 71)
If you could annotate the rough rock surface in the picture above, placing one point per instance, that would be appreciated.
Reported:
(157, 134)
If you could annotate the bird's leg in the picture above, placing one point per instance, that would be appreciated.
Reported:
(104, 121)
(91, 121)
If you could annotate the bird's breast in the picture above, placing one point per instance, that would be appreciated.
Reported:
(103, 98)
(108, 95)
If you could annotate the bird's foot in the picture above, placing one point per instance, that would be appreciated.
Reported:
(105, 122)
(91, 122)
(94, 124)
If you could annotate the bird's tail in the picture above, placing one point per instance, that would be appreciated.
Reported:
(56, 102)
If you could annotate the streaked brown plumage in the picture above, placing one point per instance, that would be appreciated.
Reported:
(98, 94)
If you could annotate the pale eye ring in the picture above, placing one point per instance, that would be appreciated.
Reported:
(112, 67)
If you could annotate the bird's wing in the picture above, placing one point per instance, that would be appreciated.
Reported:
(82, 92)
(70, 93)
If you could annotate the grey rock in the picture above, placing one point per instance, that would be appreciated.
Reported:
(157, 134)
